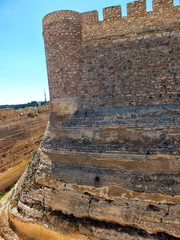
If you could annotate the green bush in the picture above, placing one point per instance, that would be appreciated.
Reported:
(7, 190)
(40, 111)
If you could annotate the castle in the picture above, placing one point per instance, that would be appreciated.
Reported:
(119, 61)
(108, 166)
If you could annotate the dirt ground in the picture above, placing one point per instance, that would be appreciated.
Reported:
(12, 175)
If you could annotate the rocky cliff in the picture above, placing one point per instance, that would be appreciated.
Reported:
(21, 132)
(96, 181)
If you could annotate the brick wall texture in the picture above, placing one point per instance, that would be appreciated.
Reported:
(120, 61)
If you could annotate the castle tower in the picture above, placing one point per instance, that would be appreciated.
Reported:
(62, 38)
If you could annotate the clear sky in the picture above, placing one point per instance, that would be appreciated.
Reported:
(23, 75)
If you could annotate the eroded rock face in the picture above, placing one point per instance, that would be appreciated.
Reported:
(111, 193)
(20, 135)
(109, 163)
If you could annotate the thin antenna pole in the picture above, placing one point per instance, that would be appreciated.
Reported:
(45, 100)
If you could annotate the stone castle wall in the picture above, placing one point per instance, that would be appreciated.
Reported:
(119, 61)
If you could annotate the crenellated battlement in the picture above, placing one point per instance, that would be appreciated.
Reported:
(112, 12)
(90, 17)
(165, 5)
(164, 15)
(137, 8)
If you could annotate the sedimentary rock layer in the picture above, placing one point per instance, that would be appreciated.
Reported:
(20, 134)
(104, 170)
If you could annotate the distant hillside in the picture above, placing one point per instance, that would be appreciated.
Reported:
(24, 105)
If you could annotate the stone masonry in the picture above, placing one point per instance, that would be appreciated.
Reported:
(120, 61)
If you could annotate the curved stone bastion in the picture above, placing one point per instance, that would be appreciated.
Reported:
(109, 163)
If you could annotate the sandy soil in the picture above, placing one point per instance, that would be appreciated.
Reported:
(12, 175)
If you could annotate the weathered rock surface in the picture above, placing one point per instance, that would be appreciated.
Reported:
(106, 193)
(20, 133)
(109, 164)
(5, 231)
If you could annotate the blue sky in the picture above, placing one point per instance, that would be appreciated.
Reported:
(23, 75)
